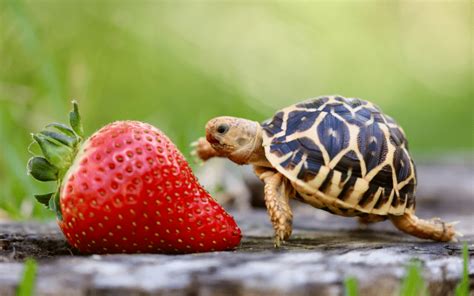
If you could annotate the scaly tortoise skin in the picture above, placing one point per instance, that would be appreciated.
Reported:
(342, 155)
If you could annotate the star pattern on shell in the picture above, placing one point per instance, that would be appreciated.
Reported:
(344, 151)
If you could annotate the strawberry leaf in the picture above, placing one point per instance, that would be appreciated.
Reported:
(64, 139)
(62, 128)
(58, 154)
(59, 148)
(75, 120)
(55, 206)
(40, 169)
(44, 198)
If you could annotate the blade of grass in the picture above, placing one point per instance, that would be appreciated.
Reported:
(462, 289)
(350, 287)
(27, 284)
(413, 284)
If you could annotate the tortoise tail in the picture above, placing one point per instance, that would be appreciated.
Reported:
(434, 229)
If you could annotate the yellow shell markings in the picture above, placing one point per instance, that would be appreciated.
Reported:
(309, 189)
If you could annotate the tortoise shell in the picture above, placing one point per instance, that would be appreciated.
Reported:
(343, 155)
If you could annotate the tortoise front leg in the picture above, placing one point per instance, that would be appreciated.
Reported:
(276, 201)
(203, 150)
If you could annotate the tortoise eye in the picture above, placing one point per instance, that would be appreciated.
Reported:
(222, 129)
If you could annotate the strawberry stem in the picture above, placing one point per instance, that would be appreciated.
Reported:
(59, 149)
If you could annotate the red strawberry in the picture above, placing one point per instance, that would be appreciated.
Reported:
(128, 189)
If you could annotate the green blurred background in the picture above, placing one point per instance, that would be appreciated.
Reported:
(177, 64)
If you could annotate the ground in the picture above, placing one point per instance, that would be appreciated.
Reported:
(323, 251)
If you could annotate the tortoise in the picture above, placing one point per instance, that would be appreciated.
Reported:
(342, 155)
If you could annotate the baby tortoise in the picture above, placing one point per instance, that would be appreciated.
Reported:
(342, 155)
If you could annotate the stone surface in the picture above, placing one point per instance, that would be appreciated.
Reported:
(323, 251)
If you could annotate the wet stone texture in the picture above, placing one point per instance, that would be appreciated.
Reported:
(322, 252)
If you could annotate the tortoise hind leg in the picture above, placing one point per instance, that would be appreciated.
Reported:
(433, 229)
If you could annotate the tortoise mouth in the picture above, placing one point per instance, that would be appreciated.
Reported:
(211, 139)
(218, 145)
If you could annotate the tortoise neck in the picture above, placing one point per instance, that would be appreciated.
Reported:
(252, 152)
(257, 152)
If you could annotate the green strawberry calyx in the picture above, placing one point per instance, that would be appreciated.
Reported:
(59, 144)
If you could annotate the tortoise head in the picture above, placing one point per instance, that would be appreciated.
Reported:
(238, 139)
